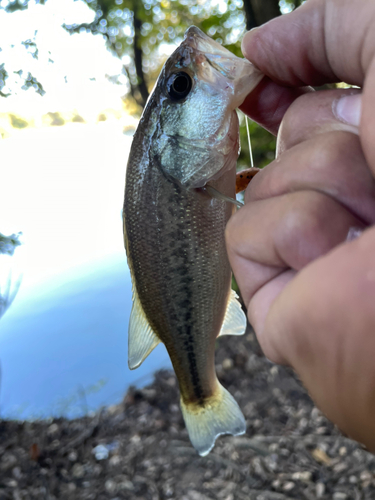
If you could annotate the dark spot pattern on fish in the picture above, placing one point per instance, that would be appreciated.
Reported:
(185, 291)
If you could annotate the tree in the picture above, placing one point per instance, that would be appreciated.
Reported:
(265, 10)
(260, 11)
(11, 276)
(28, 80)
(135, 30)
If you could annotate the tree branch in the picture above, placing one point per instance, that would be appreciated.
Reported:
(250, 15)
(138, 57)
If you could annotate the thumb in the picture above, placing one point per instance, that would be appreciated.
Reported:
(348, 109)
(319, 113)
(321, 42)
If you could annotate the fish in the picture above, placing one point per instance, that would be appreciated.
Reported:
(180, 175)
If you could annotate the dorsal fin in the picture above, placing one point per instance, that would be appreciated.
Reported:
(142, 339)
(235, 319)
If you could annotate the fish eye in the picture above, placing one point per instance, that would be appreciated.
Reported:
(179, 86)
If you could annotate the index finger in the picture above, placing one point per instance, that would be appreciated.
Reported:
(323, 41)
(268, 102)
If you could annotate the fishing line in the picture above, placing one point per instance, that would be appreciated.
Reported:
(220, 196)
(249, 141)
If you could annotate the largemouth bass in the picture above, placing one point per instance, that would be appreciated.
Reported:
(181, 171)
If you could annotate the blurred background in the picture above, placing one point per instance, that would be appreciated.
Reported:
(74, 78)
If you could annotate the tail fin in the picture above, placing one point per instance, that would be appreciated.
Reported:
(220, 415)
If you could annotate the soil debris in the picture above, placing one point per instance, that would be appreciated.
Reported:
(140, 450)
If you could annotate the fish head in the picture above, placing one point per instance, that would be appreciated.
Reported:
(198, 90)
(215, 70)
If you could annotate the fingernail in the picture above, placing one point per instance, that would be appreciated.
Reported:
(348, 109)
(246, 41)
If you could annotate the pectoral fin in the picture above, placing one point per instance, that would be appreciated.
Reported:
(142, 339)
(214, 193)
(234, 320)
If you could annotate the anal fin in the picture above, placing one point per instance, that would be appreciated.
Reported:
(234, 320)
(142, 339)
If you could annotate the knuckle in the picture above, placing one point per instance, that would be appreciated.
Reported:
(335, 147)
(295, 115)
(299, 238)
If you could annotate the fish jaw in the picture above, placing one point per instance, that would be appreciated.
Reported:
(240, 75)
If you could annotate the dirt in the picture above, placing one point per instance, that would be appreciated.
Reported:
(140, 448)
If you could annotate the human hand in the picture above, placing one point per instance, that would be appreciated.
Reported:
(311, 295)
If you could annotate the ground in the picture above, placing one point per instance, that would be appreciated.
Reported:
(140, 448)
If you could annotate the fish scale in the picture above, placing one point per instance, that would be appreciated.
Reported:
(181, 269)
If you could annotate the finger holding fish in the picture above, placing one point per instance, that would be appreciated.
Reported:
(269, 237)
(331, 163)
(300, 206)
(269, 101)
(319, 157)
(320, 319)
